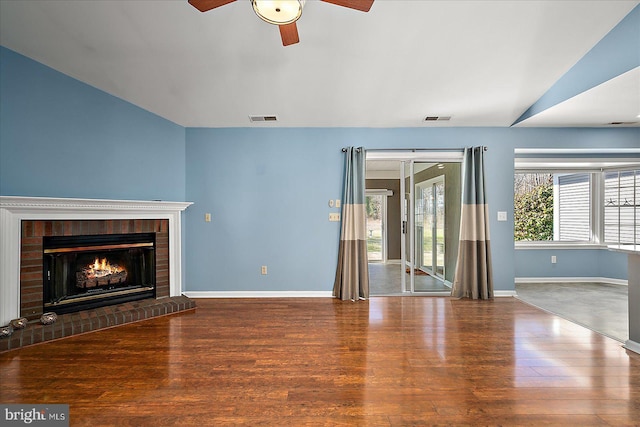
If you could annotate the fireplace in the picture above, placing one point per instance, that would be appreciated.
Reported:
(90, 271)
(63, 252)
(26, 221)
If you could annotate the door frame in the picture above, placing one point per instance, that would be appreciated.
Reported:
(407, 158)
(384, 193)
(432, 182)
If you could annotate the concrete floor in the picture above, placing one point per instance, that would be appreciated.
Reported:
(600, 307)
(386, 279)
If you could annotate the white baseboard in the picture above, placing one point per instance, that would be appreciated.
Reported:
(632, 346)
(290, 294)
(606, 280)
(258, 294)
(500, 294)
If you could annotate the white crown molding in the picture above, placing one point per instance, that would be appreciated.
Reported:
(15, 209)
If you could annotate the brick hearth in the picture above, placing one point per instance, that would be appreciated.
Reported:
(92, 320)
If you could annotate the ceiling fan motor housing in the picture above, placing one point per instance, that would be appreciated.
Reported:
(278, 12)
(283, 13)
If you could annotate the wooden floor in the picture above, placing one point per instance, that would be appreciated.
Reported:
(388, 361)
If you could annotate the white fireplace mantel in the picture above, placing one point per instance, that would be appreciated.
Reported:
(14, 209)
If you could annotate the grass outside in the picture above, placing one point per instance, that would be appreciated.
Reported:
(374, 240)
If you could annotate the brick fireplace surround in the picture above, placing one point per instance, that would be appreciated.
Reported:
(24, 221)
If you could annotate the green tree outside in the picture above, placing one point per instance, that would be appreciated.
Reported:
(533, 208)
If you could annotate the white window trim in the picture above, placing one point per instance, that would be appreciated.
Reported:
(611, 244)
(522, 245)
(564, 163)
(597, 224)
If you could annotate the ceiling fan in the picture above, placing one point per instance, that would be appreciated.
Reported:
(283, 13)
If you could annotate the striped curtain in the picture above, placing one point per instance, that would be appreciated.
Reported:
(474, 277)
(352, 274)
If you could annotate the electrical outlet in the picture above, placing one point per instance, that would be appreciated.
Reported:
(502, 216)
(264, 269)
(334, 217)
(337, 203)
(207, 217)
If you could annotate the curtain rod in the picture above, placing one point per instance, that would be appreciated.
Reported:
(413, 150)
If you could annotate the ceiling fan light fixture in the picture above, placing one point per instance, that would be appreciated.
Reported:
(278, 12)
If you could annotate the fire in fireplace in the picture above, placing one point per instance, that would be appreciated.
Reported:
(85, 272)
(100, 273)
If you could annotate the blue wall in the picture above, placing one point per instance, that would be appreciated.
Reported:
(612, 264)
(571, 263)
(62, 138)
(267, 190)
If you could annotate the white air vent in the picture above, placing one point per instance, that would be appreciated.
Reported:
(437, 118)
(263, 118)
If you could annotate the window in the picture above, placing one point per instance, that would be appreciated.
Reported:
(552, 206)
(572, 207)
(577, 197)
(622, 207)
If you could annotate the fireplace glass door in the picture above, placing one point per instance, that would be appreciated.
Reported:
(83, 272)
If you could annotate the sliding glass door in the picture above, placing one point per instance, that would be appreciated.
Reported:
(376, 211)
(428, 213)
(433, 223)
(430, 226)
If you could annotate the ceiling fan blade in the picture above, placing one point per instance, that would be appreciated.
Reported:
(362, 5)
(289, 34)
(205, 5)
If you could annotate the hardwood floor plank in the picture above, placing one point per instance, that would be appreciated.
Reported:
(389, 361)
(474, 420)
(626, 394)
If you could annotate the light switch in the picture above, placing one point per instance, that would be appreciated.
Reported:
(337, 203)
(207, 217)
(502, 216)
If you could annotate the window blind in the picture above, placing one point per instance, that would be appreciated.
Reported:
(622, 207)
(574, 212)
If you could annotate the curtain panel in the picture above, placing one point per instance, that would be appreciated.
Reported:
(474, 276)
(352, 274)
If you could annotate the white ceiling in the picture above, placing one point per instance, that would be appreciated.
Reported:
(481, 62)
(617, 100)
